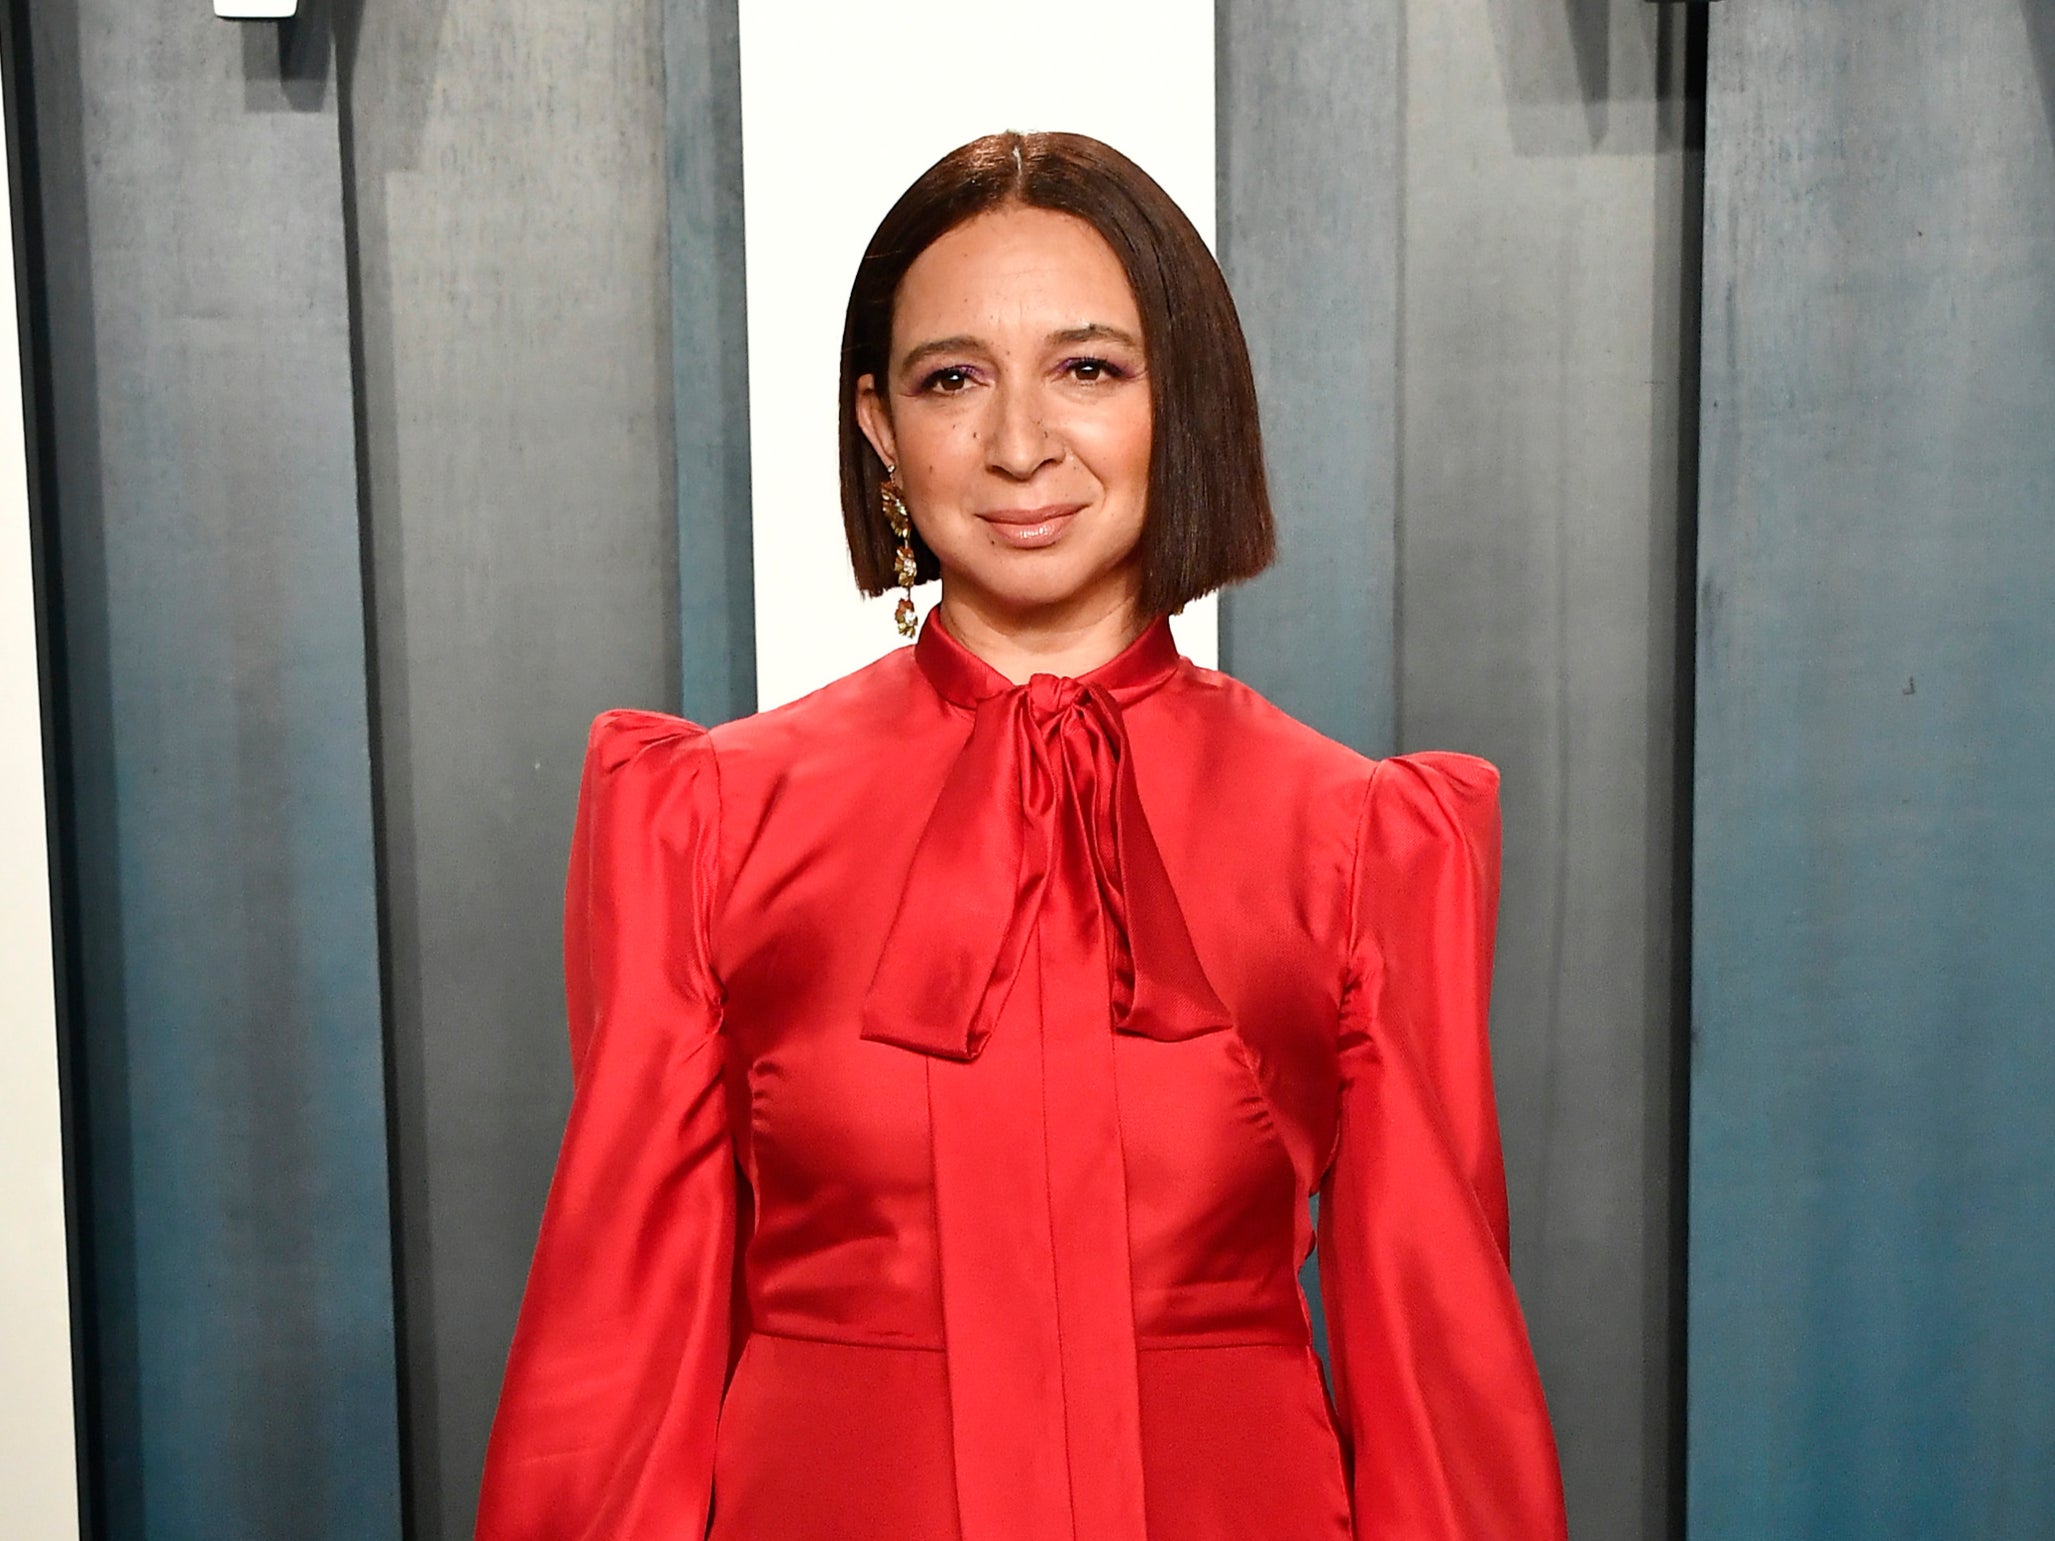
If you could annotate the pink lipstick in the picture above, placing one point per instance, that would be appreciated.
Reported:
(1026, 528)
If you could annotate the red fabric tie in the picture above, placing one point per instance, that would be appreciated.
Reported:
(1036, 921)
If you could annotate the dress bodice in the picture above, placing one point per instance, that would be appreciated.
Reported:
(1017, 1026)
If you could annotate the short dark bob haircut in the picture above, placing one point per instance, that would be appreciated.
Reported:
(1208, 521)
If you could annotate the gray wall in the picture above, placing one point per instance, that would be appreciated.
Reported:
(1549, 223)
(509, 184)
(1311, 236)
(1462, 238)
(1872, 1151)
(229, 1069)
(709, 361)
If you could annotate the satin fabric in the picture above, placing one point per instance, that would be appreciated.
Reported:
(953, 1063)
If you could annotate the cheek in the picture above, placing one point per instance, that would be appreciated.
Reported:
(939, 443)
(1116, 445)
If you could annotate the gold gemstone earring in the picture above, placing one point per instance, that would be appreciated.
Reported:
(904, 567)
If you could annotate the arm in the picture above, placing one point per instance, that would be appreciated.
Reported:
(1441, 1406)
(613, 1384)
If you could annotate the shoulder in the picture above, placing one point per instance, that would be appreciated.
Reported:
(622, 734)
(1430, 824)
(1240, 722)
(1439, 790)
(1449, 792)
(648, 769)
(847, 716)
(654, 742)
(626, 741)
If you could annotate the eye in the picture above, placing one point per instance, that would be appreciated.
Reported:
(948, 381)
(1090, 371)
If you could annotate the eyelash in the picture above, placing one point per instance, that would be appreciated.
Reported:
(1106, 367)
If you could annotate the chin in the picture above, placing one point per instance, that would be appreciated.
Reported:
(1046, 598)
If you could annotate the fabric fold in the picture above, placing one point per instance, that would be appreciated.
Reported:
(1037, 920)
(981, 868)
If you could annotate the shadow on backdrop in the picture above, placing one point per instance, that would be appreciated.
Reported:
(1565, 64)
(2040, 32)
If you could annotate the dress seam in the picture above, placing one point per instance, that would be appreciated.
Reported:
(1156, 1347)
(1350, 978)
(717, 895)
(807, 1337)
(1352, 981)
(1246, 1057)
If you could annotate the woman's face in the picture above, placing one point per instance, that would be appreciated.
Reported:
(1016, 408)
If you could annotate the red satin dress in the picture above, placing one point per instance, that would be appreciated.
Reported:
(954, 1062)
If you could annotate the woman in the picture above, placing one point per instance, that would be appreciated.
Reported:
(956, 1048)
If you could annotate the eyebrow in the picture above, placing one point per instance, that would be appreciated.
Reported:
(1096, 331)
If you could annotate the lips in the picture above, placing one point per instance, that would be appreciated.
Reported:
(1028, 528)
(1030, 516)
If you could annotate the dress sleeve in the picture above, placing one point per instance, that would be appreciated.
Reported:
(1440, 1405)
(605, 1427)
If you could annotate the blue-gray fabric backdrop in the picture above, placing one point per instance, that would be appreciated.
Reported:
(397, 375)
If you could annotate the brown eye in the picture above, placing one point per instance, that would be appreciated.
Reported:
(948, 382)
(1090, 371)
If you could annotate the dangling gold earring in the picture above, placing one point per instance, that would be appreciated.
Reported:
(904, 567)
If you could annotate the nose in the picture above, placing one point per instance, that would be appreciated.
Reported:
(1020, 444)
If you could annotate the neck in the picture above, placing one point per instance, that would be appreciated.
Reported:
(1067, 640)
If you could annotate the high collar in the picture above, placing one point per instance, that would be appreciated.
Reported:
(1037, 864)
(962, 677)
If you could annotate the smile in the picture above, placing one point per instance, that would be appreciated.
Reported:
(1028, 527)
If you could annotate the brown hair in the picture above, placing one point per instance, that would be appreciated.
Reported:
(1208, 521)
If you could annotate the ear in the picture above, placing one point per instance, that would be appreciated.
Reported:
(875, 421)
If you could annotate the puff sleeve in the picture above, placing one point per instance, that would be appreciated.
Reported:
(606, 1418)
(1440, 1406)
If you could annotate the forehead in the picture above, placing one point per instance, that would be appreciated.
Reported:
(1014, 269)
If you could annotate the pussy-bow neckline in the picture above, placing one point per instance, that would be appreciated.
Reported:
(960, 676)
(1044, 759)
(1037, 862)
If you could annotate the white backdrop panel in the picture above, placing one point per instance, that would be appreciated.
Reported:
(842, 107)
(38, 1491)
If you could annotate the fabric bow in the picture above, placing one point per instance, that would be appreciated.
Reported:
(1037, 868)
(983, 867)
